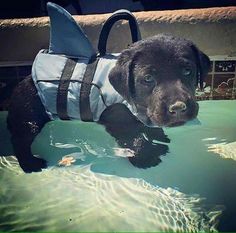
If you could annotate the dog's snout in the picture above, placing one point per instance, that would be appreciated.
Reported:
(177, 108)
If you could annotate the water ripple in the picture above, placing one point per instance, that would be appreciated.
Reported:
(77, 199)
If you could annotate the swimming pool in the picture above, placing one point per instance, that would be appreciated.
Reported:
(192, 189)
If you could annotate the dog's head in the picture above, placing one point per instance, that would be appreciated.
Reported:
(158, 77)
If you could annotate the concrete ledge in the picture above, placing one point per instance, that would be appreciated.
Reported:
(211, 29)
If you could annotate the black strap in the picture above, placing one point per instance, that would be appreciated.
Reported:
(85, 110)
(118, 15)
(63, 89)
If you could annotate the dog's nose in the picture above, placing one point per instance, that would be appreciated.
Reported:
(177, 108)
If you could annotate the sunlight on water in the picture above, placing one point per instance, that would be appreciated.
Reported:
(79, 199)
(225, 150)
(91, 186)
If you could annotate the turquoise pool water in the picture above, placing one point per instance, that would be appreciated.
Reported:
(192, 189)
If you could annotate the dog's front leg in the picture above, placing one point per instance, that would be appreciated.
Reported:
(131, 133)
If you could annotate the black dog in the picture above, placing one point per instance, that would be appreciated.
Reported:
(157, 75)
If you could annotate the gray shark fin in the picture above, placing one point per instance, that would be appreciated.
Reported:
(66, 36)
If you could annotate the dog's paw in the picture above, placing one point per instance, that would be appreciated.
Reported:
(144, 162)
(33, 164)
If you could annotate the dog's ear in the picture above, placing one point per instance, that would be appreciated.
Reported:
(121, 75)
(203, 65)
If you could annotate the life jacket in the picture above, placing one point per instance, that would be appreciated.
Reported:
(70, 77)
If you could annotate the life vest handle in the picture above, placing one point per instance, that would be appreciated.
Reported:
(116, 16)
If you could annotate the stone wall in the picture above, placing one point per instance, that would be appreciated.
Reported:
(212, 29)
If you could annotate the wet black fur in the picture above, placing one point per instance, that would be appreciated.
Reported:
(161, 56)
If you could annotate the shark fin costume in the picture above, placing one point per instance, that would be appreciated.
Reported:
(70, 77)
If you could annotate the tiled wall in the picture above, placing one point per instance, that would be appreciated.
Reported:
(220, 83)
(221, 80)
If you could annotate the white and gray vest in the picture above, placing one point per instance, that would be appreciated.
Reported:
(71, 78)
(47, 73)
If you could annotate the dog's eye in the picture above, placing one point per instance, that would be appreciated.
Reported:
(148, 79)
(187, 71)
